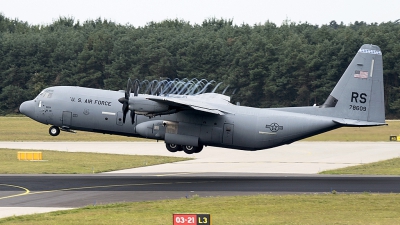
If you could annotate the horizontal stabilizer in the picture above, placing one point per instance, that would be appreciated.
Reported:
(357, 123)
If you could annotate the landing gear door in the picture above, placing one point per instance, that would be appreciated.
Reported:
(66, 118)
(227, 138)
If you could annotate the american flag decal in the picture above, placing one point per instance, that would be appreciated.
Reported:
(361, 74)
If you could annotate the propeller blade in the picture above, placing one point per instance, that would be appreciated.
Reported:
(125, 100)
(123, 117)
(125, 108)
(136, 86)
(133, 116)
(128, 89)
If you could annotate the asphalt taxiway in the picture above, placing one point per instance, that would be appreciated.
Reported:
(213, 172)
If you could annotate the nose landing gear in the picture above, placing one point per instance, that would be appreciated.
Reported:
(54, 131)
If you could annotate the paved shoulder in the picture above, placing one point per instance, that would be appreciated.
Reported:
(19, 211)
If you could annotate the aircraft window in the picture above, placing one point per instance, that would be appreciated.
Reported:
(40, 104)
(43, 95)
(46, 94)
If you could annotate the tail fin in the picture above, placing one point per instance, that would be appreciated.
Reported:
(358, 96)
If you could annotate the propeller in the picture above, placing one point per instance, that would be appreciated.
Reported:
(125, 100)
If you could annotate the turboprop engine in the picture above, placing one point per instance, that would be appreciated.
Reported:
(143, 106)
(151, 129)
(139, 104)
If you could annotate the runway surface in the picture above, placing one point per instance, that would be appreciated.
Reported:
(82, 190)
(213, 172)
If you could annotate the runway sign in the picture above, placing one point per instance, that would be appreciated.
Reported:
(29, 155)
(191, 219)
(394, 138)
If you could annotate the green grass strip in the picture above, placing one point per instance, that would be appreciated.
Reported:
(381, 133)
(258, 209)
(56, 162)
(386, 167)
(26, 129)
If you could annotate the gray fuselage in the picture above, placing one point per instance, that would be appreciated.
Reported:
(189, 122)
(247, 128)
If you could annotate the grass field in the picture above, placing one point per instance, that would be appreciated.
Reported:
(57, 162)
(259, 209)
(381, 133)
(26, 129)
(386, 167)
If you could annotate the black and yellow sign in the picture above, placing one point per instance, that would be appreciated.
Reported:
(394, 138)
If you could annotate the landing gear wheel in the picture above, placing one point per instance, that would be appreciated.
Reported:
(54, 131)
(173, 147)
(198, 149)
(188, 149)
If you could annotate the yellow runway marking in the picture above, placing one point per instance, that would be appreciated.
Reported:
(15, 186)
(27, 192)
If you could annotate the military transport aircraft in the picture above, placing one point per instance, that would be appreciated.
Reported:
(189, 122)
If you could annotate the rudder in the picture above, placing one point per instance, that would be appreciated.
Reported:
(358, 97)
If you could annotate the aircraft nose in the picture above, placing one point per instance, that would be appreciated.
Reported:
(27, 108)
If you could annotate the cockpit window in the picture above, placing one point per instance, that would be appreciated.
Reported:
(40, 104)
(47, 93)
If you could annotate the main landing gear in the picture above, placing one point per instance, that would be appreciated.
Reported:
(188, 149)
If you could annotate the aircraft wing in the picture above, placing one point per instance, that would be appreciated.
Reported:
(204, 102)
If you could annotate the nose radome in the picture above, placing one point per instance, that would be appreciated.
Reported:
(27, 108)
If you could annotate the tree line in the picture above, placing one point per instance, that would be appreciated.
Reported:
(293, 64)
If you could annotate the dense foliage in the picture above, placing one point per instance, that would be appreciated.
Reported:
(292, 64)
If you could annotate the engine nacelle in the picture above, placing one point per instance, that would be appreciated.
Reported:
(151, 129)
(141, 105)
